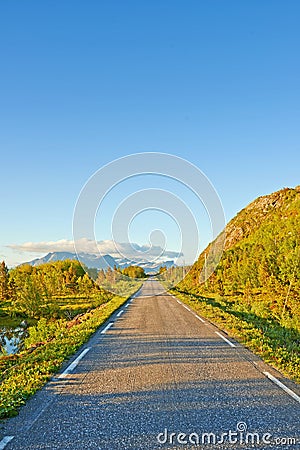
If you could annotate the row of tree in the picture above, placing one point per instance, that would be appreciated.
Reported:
(31, 290)
(117, 274)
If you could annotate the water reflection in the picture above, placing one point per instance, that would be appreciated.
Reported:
(11, 340)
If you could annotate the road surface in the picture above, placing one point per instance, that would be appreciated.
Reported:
(158, 376)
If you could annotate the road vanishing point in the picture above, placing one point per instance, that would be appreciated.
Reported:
(157, 375)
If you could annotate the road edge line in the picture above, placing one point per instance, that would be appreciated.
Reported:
(200, 318)
(74, 364)
(107, 327)
(188, 309)
(5, 441)
(282, 386)
(225, 339)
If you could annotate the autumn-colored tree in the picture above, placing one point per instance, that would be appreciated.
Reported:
(85, 285)
(134, 272)
(101, 277)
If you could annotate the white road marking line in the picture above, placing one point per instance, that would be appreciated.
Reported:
(179, 302)
(200, 318)
(72, 366)
(224, 339)
(126, 306)
(119, 313)
(107, 328)
(282, 386)
(5, 441)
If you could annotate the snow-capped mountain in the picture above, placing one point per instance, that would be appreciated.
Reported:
(100, 262)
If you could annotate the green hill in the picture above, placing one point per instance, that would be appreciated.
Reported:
(257, 281)
(261, 252)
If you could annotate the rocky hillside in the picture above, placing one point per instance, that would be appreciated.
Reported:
(276, 206)
(261, 253)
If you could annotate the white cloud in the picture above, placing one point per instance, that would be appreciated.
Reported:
(62, 245)
(128, 250)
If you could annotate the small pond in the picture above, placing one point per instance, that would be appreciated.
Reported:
(11, 340)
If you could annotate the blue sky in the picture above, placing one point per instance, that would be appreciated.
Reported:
(83, 83)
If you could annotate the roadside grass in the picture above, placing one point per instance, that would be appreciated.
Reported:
(58, 307)
(49, 344)
(6, 319)
(275, 343)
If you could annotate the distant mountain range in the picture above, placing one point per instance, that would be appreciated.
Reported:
(99, 262)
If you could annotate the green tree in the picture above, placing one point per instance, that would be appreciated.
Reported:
(71, 279)
(4, 282)
(29, 299)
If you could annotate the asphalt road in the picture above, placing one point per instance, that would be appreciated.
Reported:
(153, 371)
